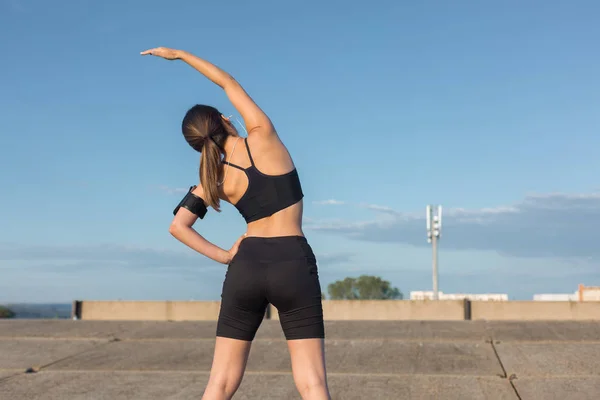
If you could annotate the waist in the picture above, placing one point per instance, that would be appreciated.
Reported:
(287, 222)
(271, 232)
(275, 248)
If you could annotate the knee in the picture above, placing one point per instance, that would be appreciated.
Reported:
(314, 387)
(224, 386)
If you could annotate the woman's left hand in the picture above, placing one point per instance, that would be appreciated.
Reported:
(164, 52)
(234, 249)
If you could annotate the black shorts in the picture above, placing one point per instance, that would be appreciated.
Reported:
(277, 270)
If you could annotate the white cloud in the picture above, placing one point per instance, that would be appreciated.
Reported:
(374, 207)
(541, 225)
(332, 202)
(103, 256)
(171, 190)
(383, 209)
(334, 258)
(97, 256)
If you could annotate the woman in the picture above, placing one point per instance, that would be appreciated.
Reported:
(272, 262)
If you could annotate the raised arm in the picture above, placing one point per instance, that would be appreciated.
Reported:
(257, 122)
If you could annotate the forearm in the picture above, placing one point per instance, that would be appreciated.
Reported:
(195, 241)
(211, 71)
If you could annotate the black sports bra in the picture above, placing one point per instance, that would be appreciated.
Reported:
(266, 194)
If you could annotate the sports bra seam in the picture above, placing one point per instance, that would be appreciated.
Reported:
(274, 176)
(243, 195)
(281, 209)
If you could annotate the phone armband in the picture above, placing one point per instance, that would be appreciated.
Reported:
(193, 203)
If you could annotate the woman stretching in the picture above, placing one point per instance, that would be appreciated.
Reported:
(272, 262)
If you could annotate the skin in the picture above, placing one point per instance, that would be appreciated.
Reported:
(231, 355)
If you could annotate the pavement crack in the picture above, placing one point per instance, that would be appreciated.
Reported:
(8, 377)
(391, 375)
(510, 378)
(515, 388)
(504, 374)
(41, 367)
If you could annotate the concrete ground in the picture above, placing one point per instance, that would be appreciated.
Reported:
(62, 359)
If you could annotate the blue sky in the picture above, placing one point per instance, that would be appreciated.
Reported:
(488, 109)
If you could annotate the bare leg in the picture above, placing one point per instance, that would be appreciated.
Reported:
(308, 368)
(227, 371)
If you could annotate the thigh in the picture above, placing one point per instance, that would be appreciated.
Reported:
(229, 362)
(243, 301)
(295, 290)
(308, 361)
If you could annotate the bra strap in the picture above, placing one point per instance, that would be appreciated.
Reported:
(233, 165)
(249, 154)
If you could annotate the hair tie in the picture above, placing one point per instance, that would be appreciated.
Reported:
(215, 142)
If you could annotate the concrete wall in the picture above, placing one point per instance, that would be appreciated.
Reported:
(389, 310)
(150, 310)
(535, 310)
(350, 310)
(209, 310)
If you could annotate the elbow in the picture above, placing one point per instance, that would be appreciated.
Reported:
(175, 229)
(229, 82)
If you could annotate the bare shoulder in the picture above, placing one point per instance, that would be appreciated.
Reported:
(270, 155)
(265, 142)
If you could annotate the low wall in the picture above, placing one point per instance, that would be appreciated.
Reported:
(150, 310)
(389, 310)
(535, 310)
(384, 310)
(209, 310)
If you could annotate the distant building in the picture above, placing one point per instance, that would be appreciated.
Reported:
(555, 297)
(428, 295)
(589, 293)
(583, 293)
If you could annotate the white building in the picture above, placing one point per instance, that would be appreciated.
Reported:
(428, 295)
(556, 297)
(583, 293)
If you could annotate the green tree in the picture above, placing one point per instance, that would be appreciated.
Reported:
(6, 313)
(365, 287)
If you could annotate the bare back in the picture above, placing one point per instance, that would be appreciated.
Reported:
(270, 157)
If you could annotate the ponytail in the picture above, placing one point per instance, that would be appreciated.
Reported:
(205, 130)
(210, 162)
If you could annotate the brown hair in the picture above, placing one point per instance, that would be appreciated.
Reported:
(206, 131)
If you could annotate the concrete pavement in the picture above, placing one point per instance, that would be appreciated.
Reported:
(365, 360)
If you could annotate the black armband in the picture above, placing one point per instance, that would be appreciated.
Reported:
(193, 203)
